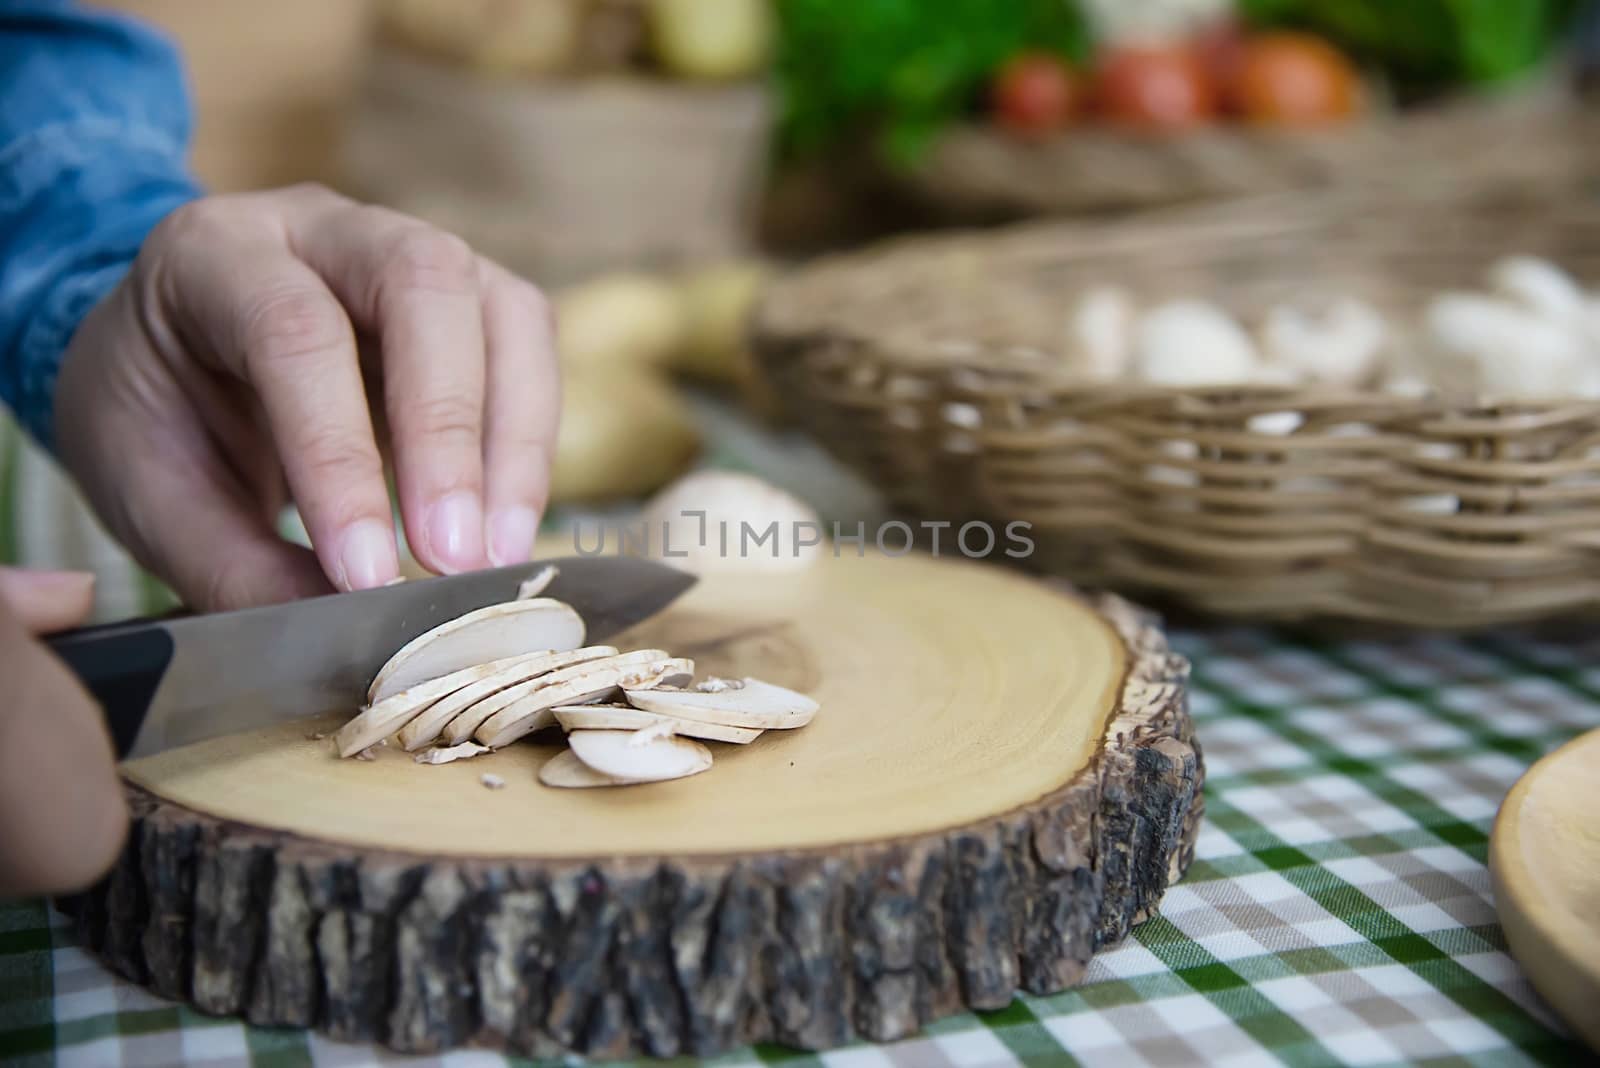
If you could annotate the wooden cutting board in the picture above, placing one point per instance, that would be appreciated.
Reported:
(1544, 856)
(1002, 778)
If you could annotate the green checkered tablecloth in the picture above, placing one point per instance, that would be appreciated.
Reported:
(1338, 911)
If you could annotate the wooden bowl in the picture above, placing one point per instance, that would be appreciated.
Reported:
(1544, 856)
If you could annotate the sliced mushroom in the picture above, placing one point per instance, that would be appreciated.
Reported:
(628, 718)
(465, 751)
(377, 721)
(429, 725)
(470, 718)
(619, 755)
(496, 632)
(536, 585)
(755, 705)
(587, 682)
(566, 771)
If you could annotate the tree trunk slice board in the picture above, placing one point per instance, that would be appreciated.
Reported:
(1544, 857)
(1003, 778)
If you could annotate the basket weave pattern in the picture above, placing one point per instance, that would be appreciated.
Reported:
(929, 367)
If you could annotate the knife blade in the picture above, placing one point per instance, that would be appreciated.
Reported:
(170, 682)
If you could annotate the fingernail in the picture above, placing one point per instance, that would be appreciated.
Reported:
(511, 532)
(46, 582)
(368, 557)
(455, 532)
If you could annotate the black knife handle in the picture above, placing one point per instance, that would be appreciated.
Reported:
(121, 665)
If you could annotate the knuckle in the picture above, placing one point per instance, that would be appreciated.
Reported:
(196, 220)
(225, 589)
(291, 324)
(310, 193)
(333, 455)
(432, 260)
(451, 418)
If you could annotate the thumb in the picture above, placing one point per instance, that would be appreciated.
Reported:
(47, 601)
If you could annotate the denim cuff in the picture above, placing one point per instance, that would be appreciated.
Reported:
(44, 343)
(86, 195)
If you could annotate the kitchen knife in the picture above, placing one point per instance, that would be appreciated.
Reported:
(169, 682)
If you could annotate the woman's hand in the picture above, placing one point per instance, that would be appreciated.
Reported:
(62, 817)
(235, 364)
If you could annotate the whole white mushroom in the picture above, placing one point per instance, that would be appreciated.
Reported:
(1100, 332)
(1540, 287)
(1341, 345)
(1504, 350)
(1193, 343)
(724, 521)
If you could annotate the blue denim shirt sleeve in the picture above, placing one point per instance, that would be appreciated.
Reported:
(95, 125)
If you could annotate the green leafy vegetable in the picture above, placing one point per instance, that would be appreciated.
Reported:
(904, 68)
(901, 70)
(1431, 44)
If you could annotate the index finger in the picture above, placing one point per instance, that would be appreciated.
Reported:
(417, 289)
(269, 319)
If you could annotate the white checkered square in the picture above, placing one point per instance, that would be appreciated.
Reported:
(1087, 1032)
(977, 1047)
(1462, 1034)
(858, 1057)
(1443, 786)
(216, 1044)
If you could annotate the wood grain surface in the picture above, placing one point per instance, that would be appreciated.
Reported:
(1001, 779)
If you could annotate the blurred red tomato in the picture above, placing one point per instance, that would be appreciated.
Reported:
(1294, 79)
(1036, 93)
(1155, 88)
(1220, 48)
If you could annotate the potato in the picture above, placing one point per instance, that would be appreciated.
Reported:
(712, 40)
(624, 433)
(717, 302)
(620, 321)
(493, 36)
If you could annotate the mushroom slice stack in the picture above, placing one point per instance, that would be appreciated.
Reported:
(429, 725)
(629, 718)
(595, 681)
(482, 707)
(494, 676)
(651, 738)
(499, 631)
(382, 718)
(748, 703)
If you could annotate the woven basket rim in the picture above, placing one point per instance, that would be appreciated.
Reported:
(776, 326)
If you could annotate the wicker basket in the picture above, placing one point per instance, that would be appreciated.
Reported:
(1538, 138)
(561, 179)
(927, 365)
